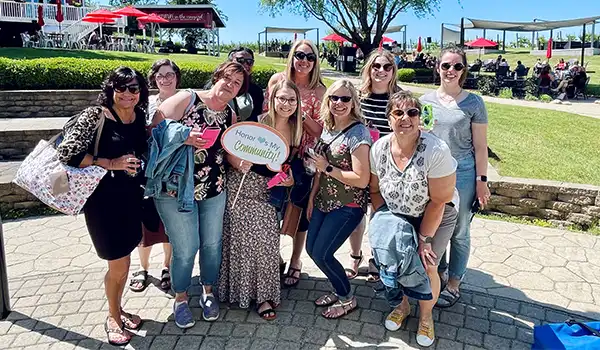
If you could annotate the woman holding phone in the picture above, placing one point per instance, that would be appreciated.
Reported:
(303, 70)
(209, 114)
(113, 212)
(249, 268)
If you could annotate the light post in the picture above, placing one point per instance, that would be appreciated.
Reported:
(4, 296)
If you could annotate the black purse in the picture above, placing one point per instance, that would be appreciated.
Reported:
(322, 147)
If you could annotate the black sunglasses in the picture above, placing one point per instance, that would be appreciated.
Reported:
(411, 112)
(344, 99)
(248, 61)
(310, 57)
(387, 67)
(457, 67)
(133, 88)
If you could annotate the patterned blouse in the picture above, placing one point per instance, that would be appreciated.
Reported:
(333, 194)
(209, 169)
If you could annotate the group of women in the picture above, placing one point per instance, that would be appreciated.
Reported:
(336, 172)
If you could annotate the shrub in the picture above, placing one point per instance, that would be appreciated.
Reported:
(593, 90)
(423, 72)
(79, 73)
(531, 86)
(487, 85)
(546, 98)
(406, 75)
(505, 93)
(530, 97)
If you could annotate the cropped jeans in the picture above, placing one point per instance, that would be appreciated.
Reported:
(190, 232)
(460, 243)
(326, 234)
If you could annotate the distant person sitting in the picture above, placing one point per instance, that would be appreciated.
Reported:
(520, 70)
(503, 63)
(498, 61)
(545, 80)
(93, 40)
(537, 68)
(561, 65)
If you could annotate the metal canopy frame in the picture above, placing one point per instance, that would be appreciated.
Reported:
(396, 29)
(275, 30)
(535, 26)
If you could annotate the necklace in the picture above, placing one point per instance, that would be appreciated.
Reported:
(447, 97)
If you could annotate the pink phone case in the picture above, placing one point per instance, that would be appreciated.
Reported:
(276, 180)
(374, 134)
(210, 135)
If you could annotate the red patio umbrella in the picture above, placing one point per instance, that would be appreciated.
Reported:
(152, 18)
(385, 39)
(103, 13)
(481, 43)
(419, 46)
(59, 14)
(99, 20)
(130, 11)
(549, 50)
(40, 19)
(334, 37)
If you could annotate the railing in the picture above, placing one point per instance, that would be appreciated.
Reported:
(28, 11)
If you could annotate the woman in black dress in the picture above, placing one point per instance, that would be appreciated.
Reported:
(113, 211)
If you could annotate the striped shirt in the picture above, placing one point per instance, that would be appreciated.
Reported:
(373, 110)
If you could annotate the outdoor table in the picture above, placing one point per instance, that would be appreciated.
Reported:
(57, 39)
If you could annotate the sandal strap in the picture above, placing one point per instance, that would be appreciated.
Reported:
(292, 272)
(357, 257)
(327, 299)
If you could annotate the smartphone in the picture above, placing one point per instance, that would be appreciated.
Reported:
(277, 179)
(210, 135)
(427, 117)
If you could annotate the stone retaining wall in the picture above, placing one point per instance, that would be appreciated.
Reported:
(44, 103)
(18, 144)
(561, 203)
(14, 197)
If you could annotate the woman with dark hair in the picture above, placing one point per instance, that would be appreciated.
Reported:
(164, 75)
(461, 120)
(249, 105)
(200, 228)
(113, 211)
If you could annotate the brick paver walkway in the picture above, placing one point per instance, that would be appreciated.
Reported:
(519, 276)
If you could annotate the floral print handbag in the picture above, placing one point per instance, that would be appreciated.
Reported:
(62, 187)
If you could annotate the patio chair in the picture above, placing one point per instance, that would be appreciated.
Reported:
(26, 39)
(582, 90)
(45, 41)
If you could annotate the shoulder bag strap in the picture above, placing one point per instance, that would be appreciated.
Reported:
(343, 132)
(99, 133)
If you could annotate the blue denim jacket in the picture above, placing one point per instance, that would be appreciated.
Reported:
(171, 163)
(394, 243)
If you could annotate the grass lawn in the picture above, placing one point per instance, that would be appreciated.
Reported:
(544, 144)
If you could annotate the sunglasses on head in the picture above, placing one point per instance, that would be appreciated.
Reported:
(248, 61)
(310, 57)
(387, 67)
(345, 99)
(411, 112)
(457, 66)
(133, 88)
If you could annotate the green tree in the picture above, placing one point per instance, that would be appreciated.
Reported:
(361, 22)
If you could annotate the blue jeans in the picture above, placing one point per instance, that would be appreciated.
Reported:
(201, 229)
(326, 234)
(460, 243)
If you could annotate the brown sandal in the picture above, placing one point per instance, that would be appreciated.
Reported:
(126, 336)
(347, 306)
(327, 300)
(130, 321)
(292, 273)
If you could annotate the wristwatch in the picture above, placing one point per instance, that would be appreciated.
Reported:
(425, 239)
(482, 178)
(328, 169)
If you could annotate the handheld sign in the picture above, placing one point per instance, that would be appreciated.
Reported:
(256, 143)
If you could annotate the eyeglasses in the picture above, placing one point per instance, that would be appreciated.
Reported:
(291, 101)
(457, 67)
(387, 67)
(248, 61)
(411, 112)
(310, 57)
(168, 76)
(133, 88)
(345, 99)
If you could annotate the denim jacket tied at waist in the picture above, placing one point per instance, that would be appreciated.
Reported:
(171, 163)
(394, 243)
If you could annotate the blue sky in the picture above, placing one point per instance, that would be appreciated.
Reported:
(246, 19)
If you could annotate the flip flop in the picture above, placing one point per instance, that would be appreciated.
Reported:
(447, 299)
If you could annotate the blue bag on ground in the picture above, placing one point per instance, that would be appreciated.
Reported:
(569, 335)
